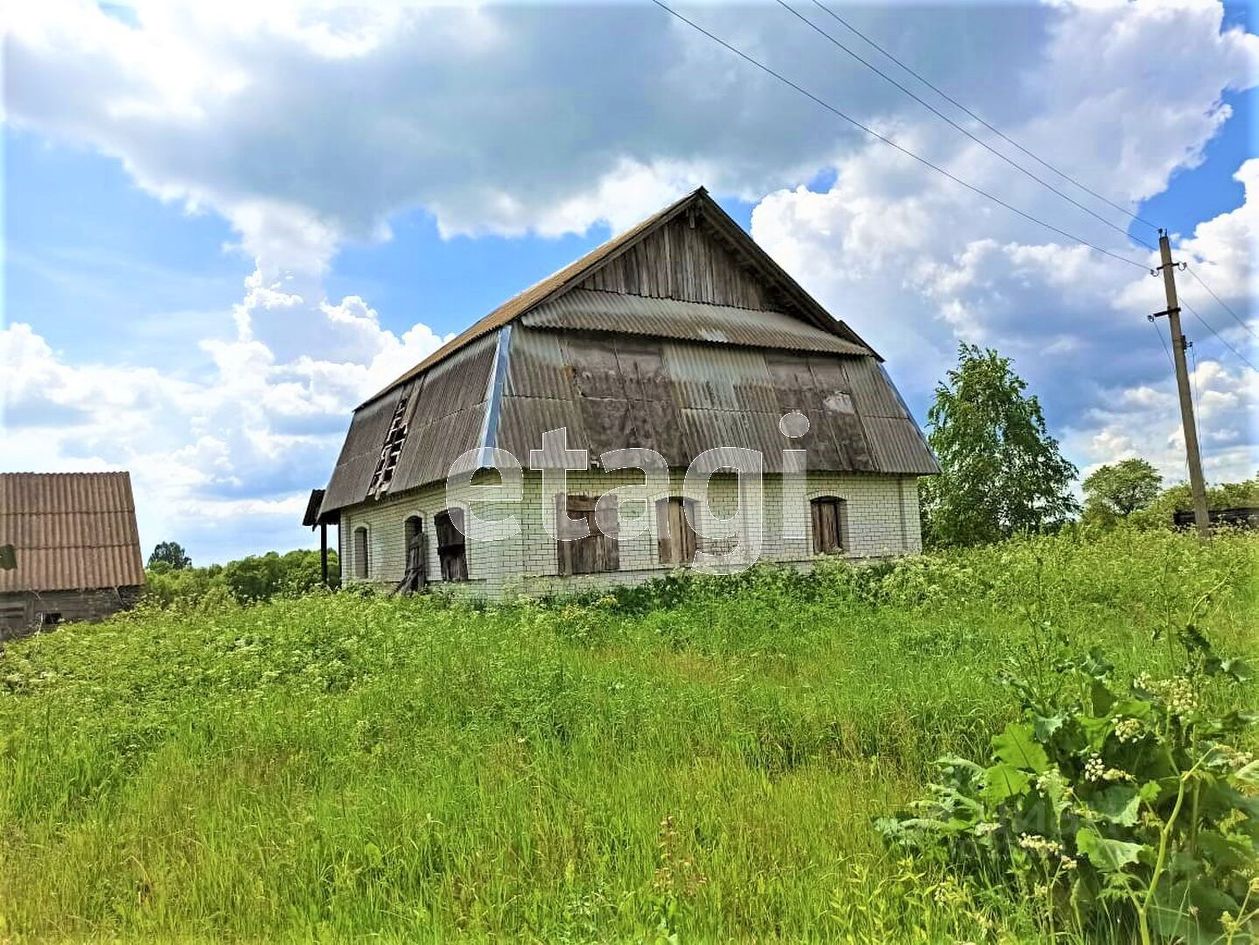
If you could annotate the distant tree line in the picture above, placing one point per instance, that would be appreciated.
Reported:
(1002, 473)
(171, 578)
(1132, 491)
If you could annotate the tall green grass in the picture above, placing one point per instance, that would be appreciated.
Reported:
(698, 760)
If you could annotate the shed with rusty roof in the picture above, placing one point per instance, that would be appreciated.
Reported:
(75, 548)
(679, 336)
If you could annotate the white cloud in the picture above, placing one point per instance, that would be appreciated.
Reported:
(240, 445)
(917, 263)
(1145, 421)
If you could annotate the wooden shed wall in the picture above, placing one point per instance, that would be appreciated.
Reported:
(23, 611)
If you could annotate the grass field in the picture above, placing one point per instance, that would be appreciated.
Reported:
(699, 762)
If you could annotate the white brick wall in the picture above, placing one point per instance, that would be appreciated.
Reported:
(882, 520)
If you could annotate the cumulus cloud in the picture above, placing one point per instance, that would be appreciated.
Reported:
(919, 264)
(307, 127)
(237, 447)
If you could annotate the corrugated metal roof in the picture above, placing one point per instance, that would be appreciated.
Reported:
(898, 444)
(445, 409)
(681, 398)
(359, 454)
(71, 531)
(592, 310)
(567, 277)
(311, 517)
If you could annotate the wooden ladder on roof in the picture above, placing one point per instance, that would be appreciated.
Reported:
(390, 452)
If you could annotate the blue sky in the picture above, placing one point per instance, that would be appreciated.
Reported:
(220, 236)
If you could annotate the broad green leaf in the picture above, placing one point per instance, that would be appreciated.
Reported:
(1239, 669)
(1003, 781)
(1103, 699)
(1046, 725)
(1107, 855)
(1190, 909)
(1096, 664)
(1249, 774)
(1118, 804)
(1226, 851)
(1016, 746)
(1096, 729)
(1132, 709)
(1235, 669)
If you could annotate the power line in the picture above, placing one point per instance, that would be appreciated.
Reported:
(935, 111)
(1172, 364)
(1000, 134)
(1237, 317)
(1166, 350)
(1221, 338)
(888, 141)
(1197, 397)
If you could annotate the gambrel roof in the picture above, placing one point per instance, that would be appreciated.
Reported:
(587, 267)
(678, 335)
(70, 531)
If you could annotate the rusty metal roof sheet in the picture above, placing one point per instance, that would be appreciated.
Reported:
(683, 397)
(568, 277)
(71, 531)
(614, 390)
(593, 310)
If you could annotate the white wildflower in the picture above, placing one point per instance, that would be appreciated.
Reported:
(1128, 730)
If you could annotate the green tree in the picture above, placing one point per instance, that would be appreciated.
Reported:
(171, 554)
(1116, 491)
(261, 577)
(1001, 471)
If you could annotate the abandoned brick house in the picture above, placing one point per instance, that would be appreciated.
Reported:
(75, 548)
(679, 335)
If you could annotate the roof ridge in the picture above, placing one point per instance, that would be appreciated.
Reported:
(544, 288)
(567, 277)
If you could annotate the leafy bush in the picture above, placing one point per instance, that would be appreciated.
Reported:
(1224, 495)
(1109, 805)
(250, 580)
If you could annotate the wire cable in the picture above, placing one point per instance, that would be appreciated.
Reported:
(1222, 339)
(1197, 397)
(888, 141)
(973, 137)
(1172, 364)
(1000, 134)
(1166, 350)
(1237, 317)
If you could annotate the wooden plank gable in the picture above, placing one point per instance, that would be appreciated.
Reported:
(685, 259)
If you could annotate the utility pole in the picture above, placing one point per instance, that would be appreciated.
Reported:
(1197, 485)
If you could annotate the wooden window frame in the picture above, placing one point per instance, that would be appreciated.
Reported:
(452, 555)
(414, 549)
(360, 541)
(675, 519)
(596, 553)
(828, 519)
